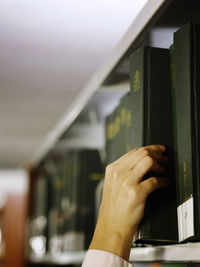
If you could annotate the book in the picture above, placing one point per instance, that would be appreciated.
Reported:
(175, 141)
(125, 123)
(39, 214)
(187, 102)
(55, 212)
(92, 173)
(108, 137)
(117, 132)
(152, 124)
(73, 238)
(83, 172)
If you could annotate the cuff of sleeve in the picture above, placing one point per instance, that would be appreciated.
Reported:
(99, 258)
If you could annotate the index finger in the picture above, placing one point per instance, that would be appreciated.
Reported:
(161, 148)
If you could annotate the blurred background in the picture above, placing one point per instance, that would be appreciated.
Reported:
(48, 51)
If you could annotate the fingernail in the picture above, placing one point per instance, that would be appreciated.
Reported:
(163, 148)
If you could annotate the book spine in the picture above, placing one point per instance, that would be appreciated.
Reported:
(196, 145)
(159, 130)
(183, 102)
(128, 128)
(117, 134)
(137, 87)
(122, 119)
(91, 176)
(108, 136)
(137, 66)
(112, 141)
(175, 146)
(152, 121)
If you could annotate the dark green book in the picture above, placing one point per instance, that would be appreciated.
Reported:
(117, 135)
(55, 214)
(124, 124)
(92, 172)
(111, 141)
(187, 101)
(39, 213)
(152, 124)
(175, 141)
(128, 125)
(108, 138)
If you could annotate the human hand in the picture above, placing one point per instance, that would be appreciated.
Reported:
(124, 196)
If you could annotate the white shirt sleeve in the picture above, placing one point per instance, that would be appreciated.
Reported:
(99, 258)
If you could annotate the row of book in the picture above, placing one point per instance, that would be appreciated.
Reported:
(62, 215)
(163, 107)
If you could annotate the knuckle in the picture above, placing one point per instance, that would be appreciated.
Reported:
(145, 151)
(113, 171)
(133, 192)
(149, 161)
(154, 181)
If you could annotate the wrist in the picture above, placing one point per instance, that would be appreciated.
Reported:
(118, 242)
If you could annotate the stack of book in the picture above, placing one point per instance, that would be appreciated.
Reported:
(64, 198)
(163, 108)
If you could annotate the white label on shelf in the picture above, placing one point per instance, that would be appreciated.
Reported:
(186, 219)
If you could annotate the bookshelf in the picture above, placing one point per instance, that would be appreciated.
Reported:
(172, 253)
(63, 259)
(155, 26)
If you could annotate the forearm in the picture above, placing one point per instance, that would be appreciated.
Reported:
(116, 242)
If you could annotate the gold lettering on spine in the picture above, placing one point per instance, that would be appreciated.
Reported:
(136, 81)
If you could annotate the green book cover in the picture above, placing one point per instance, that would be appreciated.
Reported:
(108, 136)
(55, 215)
(175, 141)
(117, 135)
(112, 138)
(39, 214)
(74, 191)
(128, 124)
(92, 173)
(152, 124)
(187, 101)
(124, 109)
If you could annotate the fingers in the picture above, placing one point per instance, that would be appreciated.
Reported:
(155, 153)
(146, 165)
(134, 165)
(132, 158)
(153, 183)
